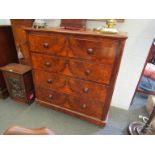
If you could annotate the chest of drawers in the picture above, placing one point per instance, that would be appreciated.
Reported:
(75, 71)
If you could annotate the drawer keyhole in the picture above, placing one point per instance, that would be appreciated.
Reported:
(46, 45)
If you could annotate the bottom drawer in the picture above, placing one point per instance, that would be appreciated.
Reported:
(87, 107)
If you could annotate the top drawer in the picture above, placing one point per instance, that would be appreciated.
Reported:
(103, 51)
(49, 44)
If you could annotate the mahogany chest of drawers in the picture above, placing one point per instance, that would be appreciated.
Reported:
(75, 71)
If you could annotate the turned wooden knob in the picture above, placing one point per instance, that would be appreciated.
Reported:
(46, 45)
(48, 64)
(87, 72)
(49, 81)
(50, 96)
(84, 106)
(90, 51)
(86, 90)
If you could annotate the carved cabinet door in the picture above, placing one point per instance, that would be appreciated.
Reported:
(15, 86)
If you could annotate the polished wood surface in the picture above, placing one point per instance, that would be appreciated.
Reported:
(83, 69)
(84, 106)
(69, 85)
(78, 33)
(7, 54)
(18, 26)
(75, 71)
(18, 130)
(73, 24)
(16, 68)
(19, 82)
(102, 51)
(45, 44)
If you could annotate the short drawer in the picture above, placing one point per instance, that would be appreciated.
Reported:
(72, 86)
(100, 51)
(88, 107)
(76, 68)
(50, 44)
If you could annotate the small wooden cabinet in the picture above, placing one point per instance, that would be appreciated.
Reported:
(7, 54)
(19, 82)
(75, 71)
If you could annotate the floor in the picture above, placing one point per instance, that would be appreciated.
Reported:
(34, 116)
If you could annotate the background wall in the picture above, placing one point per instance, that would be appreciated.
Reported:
(140, 36)
(4, 22)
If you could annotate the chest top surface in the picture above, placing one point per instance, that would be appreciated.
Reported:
(120, 35)
(16, 68)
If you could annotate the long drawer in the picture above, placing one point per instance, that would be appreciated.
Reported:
(87, 107)
(76, 68)
(75, 87)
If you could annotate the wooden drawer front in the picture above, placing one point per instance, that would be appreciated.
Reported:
(91, 71)
(82, 69)
(47, 63)
(53, 44)
(71, 86)
(100, 51)
(50, 96)
(87, 107)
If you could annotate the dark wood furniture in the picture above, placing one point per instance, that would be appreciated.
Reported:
(18, 26)
(19, 82)
(75, 71)
(73, 24)
(18, 130)
(7, 54)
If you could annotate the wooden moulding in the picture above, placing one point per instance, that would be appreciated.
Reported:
(72, 113)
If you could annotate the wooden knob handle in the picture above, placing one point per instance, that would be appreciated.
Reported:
(46, 45)
(86, 90)
(48, 64)
(87, 72)
(50, 96)
(49, 81)
(90, 51)
(84, 106)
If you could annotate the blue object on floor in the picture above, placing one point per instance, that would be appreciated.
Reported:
(147, 84)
